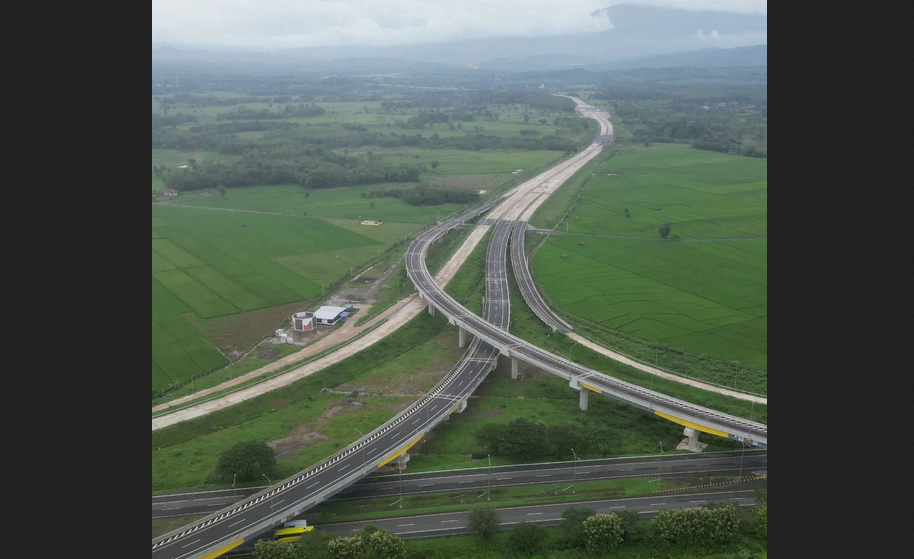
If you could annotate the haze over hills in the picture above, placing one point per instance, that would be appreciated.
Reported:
(640, 36)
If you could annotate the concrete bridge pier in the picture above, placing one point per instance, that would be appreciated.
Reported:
(431, 309)
(585, 394)
(514, 364)
(461, 337)
(690, 442)
(400, 463)
(462, 406)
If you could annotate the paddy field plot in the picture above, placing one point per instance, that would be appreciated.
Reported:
(709, 298)
(208, 264)
(701, 194)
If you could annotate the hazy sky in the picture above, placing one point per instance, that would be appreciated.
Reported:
(279, 24)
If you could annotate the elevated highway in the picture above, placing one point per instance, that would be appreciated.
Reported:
(693, 417)
(245, 520)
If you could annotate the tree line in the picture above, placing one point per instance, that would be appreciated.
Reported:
(310, 168)
(525, 439)
(426, 195)
(288, 111)
(582, 530)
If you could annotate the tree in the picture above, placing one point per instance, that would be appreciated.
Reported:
(664, 230)
(527, 538)
(315, 544)
(222, 190)
(602, 439)
(626, 213)
(248, 459)
(434, 164)
(492, 436)
(573, 525)
(760, 518)
(269, 549)
(371, 205)
(525, 438)
(602, 533)
(484, 521)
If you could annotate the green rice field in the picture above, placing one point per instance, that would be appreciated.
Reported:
(709, 298)
(214, 263)
(701, 194)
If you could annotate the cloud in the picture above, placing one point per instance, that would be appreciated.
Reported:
(714, 35)
(280, 24)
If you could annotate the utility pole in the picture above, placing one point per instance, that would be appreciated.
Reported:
(489, 490)
(660, 462)
(400, 469)
(574, 473)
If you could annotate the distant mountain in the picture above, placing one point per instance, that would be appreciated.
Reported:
(638, 31)
(756, 55)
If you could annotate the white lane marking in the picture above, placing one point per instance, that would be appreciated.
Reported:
(533, 513)
(239, 522)
(445, 521)
(373, 451)
(279, 503)
(426, 484)
(617, 507)
(344, 467)
(404, 525)
(503, 478)
(170, 508)
(701, 501)
(312, 485)
(191, 543)
(656, 504)
(545, 475)
(465, 481)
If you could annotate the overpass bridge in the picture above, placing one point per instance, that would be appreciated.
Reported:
(246, 520)
(230, 527)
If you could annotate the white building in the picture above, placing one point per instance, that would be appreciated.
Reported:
(330, 315)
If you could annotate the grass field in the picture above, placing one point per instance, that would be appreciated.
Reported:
(213, 264)
(708, 298)
(702, 194)
(367, 114)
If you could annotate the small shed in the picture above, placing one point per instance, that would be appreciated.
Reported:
(171, 192)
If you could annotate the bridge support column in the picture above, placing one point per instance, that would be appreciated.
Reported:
(514, 367)
(400, 463)
(461, 337)
(583, 401)
(690, 442)
(462, 406)
(431, 309)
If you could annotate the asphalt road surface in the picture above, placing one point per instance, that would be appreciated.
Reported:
(386, 485)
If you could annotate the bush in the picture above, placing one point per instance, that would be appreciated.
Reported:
(527, 538)
(483, 521)
(602, 533)
(573, 526)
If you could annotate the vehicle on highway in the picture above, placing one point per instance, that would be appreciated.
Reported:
(292, 531)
